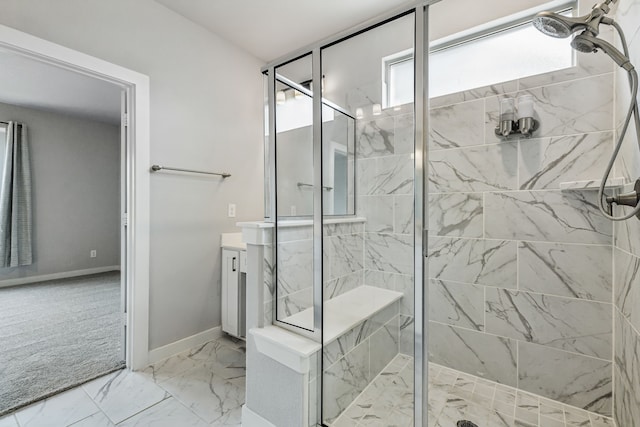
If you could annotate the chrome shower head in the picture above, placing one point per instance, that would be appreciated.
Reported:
(555, 25)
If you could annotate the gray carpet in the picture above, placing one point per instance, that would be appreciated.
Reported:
(58, 334)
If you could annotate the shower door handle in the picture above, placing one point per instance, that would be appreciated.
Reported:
(233, 264)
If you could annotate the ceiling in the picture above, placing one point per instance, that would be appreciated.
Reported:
(27, 82)
(270, 29)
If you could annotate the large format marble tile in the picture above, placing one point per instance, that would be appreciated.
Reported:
(96, 420)
(212, 398)
(168, 413)
(62, 409)
(626, 373)
(336, 287)
(546, 162)
(385, 175)
(8, 421)
(389, 252)
(344, 255)
(457, 304)
(407, 335)
(627, 285)
(404, 134)
(570, 378)
(124, 393)
(476, 93)
(456, 214)
(568, 108)
(570, 217)
(477, 261)
(569, 324)
(295, 266)
(477, 353)
(344, 381)
(407, 286)
(375, 137)
(627, 235)
(379, 212)
(457, 125)
(384, 345)
(578, 271)
(403, 213)
(481, 168)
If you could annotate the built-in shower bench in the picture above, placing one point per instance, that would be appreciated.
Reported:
(347, 311)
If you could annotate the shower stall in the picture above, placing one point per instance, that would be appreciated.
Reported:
(419, 267)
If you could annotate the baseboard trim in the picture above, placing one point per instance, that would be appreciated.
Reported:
(56, 276)
(251, 419)
(188, 343)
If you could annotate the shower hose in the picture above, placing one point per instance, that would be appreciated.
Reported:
(632, 111)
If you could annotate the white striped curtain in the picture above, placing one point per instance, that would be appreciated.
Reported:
(15, 199)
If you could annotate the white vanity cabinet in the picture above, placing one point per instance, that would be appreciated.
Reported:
(234, 273)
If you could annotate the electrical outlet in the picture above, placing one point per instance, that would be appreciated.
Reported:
(232, 210)
(93, 253)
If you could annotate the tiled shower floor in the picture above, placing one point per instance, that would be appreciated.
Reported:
(453, 396)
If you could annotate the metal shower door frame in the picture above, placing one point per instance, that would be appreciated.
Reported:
(420, 11)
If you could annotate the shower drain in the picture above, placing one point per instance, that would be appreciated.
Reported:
(465, 423)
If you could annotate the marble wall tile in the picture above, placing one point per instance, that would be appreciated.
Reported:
(293, 303)
(384, 345)
(389, 252)
(477, 93)
(570, 378)
(578, 271)
(569, 324)
(403, 213)
(627, 285)
(476, 261)
(342, 228)
(344, 381)
(290, 234)
(456, 214)
(404, 134)
(573, 107)
(570, 217)
(457, 304)
(385, 175)
(406, 285)
(380, 279)
(406, 335)
(546, 162)
(335, 287)
(375, 137)
(379, 213)
(345, 255)
(626, 373)
(627, 235)
(457, 125)
(295, 266)
(482, 168)
(487, 356)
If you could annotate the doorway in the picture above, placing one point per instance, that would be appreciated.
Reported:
(132, 215)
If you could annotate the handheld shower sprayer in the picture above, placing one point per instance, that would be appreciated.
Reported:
(559, 26)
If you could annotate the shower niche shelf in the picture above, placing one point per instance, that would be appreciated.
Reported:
(594, 184)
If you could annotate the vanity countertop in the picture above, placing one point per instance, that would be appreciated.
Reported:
(232, 241)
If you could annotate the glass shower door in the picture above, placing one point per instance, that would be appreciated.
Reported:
(368, 271)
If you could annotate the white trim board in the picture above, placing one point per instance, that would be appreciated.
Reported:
(136, 86)
(56, 276)
(184, 344)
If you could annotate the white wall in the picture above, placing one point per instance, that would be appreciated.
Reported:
(75, 167)
(206, 113)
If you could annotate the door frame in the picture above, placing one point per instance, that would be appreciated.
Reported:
(137, 186)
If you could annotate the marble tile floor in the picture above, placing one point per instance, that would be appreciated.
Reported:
(200, 387)
(453, 396)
